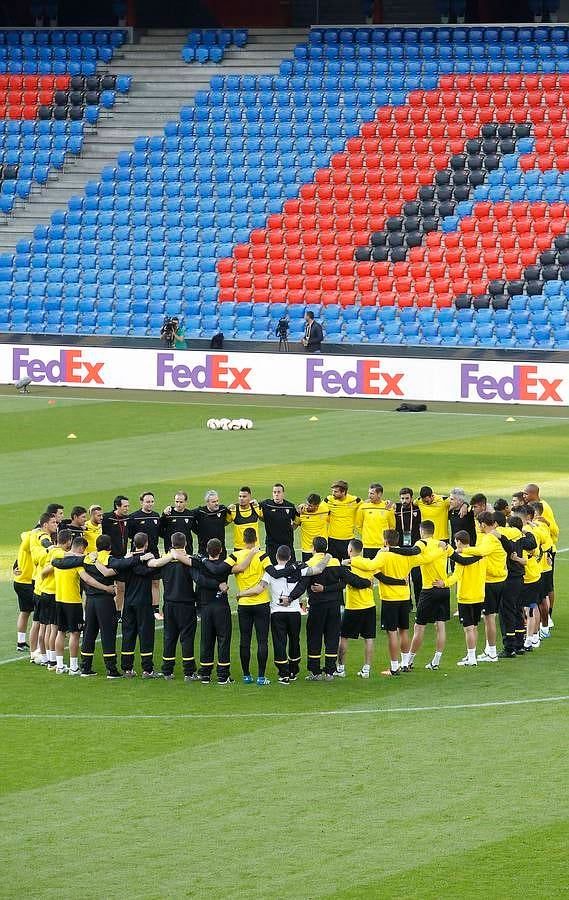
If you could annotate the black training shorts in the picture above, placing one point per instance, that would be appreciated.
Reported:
(25, 595)
(433, 606)
(470, 613)
(492, 597)
(359, 623)
(395, 615)
(69, 616)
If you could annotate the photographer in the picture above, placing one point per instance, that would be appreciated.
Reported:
(172, 333)
(282, 333)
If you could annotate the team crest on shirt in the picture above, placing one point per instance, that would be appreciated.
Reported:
(156, 521)
(186, 521)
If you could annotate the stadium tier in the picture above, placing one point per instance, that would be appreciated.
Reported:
(209, 44)
(409, 185)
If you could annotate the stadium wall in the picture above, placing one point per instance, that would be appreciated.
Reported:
(398, 378)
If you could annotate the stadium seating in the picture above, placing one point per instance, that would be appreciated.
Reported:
(409, 185)
(209, 44)
(49, 87)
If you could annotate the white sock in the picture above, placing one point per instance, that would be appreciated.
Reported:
(73, 663)
(491, 651)
(411, 657)
(487, 649)
(549, 622)
(21, 637)
(340, 667)
(471, 655)
(545, 629)
(527, 642)
(43, 657)
(365, 667)
(437, 657)
(59, 661)
(394, 665)
(405, 659)
(535, 640)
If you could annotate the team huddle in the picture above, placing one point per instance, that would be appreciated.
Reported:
(77, 579)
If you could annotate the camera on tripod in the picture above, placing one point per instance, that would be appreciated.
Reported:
(282, 330)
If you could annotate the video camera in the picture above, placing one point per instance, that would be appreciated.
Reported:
(168, 330)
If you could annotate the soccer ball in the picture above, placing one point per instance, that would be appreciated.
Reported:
(247, 423)
(212, 424)
(224, 424)
(236, 424)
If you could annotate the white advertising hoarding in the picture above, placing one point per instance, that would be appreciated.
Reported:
(398, 378)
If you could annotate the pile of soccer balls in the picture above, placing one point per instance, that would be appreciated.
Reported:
(229, 424)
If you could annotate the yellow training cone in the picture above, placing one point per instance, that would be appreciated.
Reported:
(313, 419)
(71, 437)
(510, 419)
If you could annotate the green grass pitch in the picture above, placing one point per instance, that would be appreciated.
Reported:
(436, 784)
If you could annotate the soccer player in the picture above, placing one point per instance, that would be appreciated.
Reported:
(435, 508)
(215, 611)
(180, 620)
(243, 515)
(471, 581)
(531, 495)
(359, 616)
(341, 528)
(138, 620)
(23, 572)
(93, 527)
(314, 516)
(489, 546)
(69, 610)
(175, 519)
(46, 591)
(433, 603)
(395, 599)
(280, 518)
(101, 614)
(210, 522)
(511, 611)
(252, 612)
(77, 522)
(285, 612)
(373, 517)
(323, 623)
(532, 575)
(546, 581)
(518, 501)
(41, 539)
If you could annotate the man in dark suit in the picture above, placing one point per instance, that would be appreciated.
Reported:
(313, 334)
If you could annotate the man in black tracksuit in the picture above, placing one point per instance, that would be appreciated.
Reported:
(324, 617)
(511, 609)
(180, 619)
(145, 521)
(138, 620)
(210, 521)
(100, 609)
(100, 615)
(115, 525)
(177, 518)
(215, 610)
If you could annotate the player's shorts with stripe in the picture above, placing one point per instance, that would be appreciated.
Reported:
(47, 612)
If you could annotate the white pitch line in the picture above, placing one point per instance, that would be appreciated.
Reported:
(285, 715)
(351, 408)
(24, 657)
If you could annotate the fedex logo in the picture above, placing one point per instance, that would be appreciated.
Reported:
(216, 373)
(69, 367)
(522, 384)
(365, 378)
